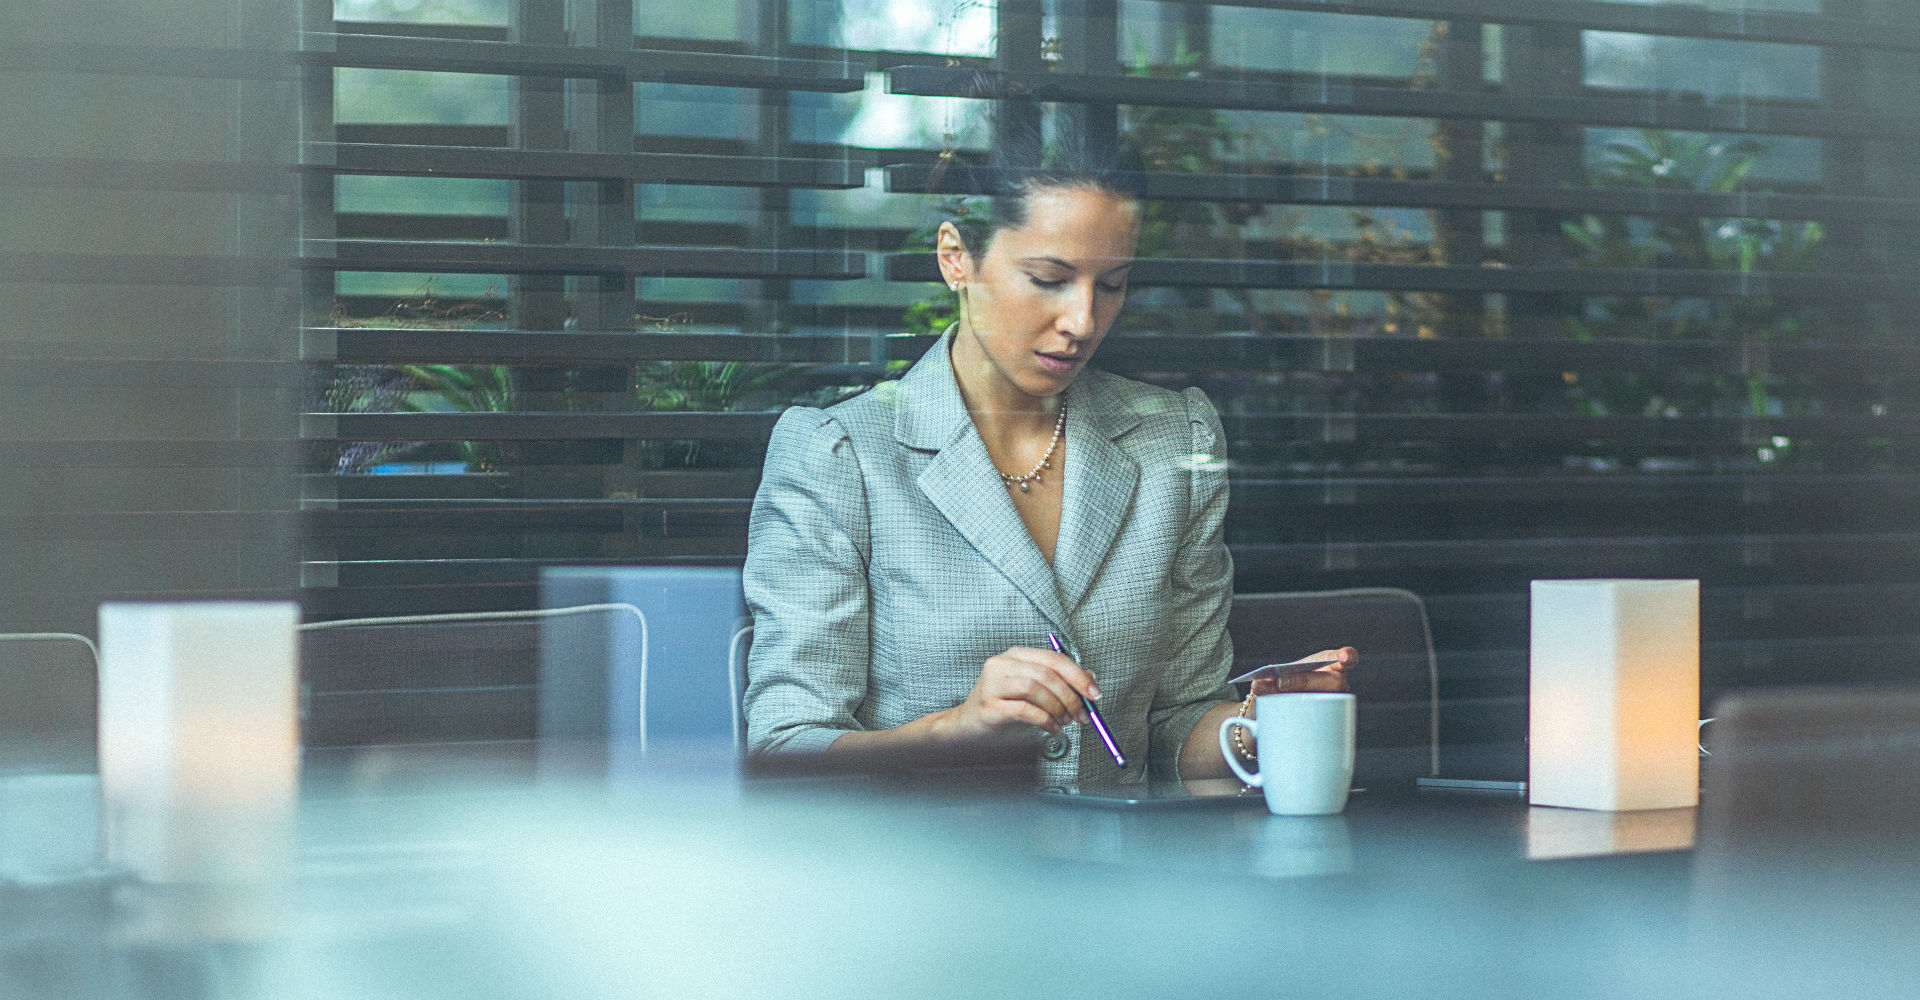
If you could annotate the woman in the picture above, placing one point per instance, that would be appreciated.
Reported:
(911, 549)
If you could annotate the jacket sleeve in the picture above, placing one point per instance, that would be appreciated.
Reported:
(806, 586)
(1202, 594)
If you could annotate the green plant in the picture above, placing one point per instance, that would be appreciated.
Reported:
(417, 389)
(420, 388)
(1187, 141)
(463, 389)
(1685, 162)
(1374, 240)
(1689, 162)
(707, 386)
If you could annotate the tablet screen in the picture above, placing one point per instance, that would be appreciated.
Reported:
(1156, 795)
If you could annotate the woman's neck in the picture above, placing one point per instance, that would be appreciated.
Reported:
(1001, 412)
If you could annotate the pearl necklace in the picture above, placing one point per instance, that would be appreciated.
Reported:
(1046, 460)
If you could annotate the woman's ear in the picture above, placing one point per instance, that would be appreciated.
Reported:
(952, 253)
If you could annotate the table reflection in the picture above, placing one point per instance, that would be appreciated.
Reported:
(692, 884)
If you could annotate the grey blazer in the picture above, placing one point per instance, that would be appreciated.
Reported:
(886, 563)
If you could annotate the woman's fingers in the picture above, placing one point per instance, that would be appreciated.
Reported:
(1031, 714)
(1077, 678)
(1029, 686)
(1347, 656)
(1331, 677)
(1039, 677)
(1317, 680)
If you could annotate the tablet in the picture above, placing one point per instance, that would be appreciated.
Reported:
(1274, 671)
(1202, 793)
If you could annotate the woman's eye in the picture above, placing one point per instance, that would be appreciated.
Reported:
(1116, 287)
(1039, 282)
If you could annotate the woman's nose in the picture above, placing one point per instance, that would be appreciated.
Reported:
(1077, 319)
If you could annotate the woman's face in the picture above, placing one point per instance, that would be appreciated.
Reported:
(1035, 306)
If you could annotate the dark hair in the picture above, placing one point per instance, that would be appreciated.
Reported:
(1025, 163)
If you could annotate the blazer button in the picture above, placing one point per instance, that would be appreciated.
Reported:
(1056, 748)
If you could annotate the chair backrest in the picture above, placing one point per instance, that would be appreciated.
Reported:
(1805, 846)
(470, 677)
(49, 703)
(1397, 681)
(696, 650)
(1794, 766)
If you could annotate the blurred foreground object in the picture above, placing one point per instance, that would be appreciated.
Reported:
(1814, 772)
(1807, 847)
(199, 739)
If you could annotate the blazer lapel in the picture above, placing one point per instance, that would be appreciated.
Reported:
(1100, 480)
(961, 482)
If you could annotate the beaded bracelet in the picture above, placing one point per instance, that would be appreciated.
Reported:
(1240, 744)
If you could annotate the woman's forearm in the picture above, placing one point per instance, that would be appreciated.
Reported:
(1200, 753)
(926, 730)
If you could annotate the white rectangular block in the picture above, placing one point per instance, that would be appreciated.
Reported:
(199, 738)
(1614, 698)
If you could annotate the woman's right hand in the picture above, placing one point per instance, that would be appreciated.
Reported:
(1022, 687)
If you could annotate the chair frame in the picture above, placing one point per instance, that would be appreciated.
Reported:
(92, 648)
(1426, 630)
(737, 685)
(508, 616)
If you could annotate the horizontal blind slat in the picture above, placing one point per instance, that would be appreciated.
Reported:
(1350, 96)
(457, 55)
(1387, 192)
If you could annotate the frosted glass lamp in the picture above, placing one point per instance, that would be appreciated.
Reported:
(199, 738)
(1614, 702)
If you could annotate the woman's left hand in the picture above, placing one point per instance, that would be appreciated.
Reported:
(1332, 677)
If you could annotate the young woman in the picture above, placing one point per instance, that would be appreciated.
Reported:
(912, 549)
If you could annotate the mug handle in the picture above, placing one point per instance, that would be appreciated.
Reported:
(1232, 756)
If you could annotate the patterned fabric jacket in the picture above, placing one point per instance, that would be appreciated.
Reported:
(886, 563)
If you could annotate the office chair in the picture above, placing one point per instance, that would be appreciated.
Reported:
(49, 756)
(476, 677)
(1806, 858)
(1790, 766)
(1397, 682)
(737, 683)
(49, 703)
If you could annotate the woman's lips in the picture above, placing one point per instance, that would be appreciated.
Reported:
(1058, 364)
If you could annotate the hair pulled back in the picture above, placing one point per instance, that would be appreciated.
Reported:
(1026, 163)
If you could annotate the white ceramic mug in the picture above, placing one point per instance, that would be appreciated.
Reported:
(1306, 762)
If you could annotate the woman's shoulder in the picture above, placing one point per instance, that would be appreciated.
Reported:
(1131, 400)
(800, 426)
(803, 439)
(865, 422)
(809, 432)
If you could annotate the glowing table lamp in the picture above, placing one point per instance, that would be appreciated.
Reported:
(199, 738)
(1614, 702)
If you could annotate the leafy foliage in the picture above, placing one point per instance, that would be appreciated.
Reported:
(705, 386)
(1689, 162)
(420, 388)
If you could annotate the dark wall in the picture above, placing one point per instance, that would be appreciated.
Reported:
(148, 307)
